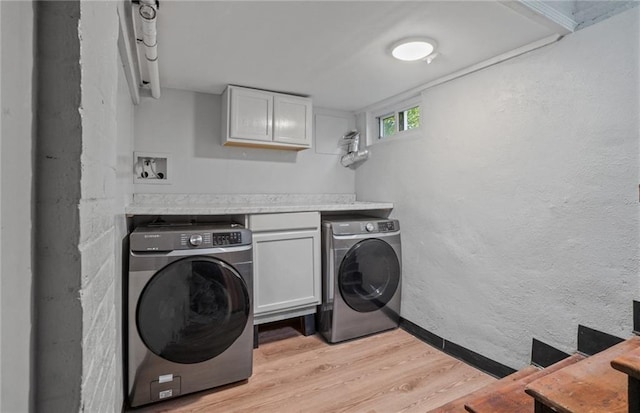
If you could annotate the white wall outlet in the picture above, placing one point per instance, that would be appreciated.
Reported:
(152, 168)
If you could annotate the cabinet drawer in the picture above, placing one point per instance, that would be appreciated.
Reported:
(286, 221)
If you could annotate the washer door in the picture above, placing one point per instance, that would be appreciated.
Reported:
(369, 275)
(192, 310)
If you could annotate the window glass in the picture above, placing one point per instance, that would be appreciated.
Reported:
(388, 126)
(411, 118)
(399, 121)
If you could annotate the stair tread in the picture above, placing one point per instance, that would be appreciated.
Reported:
(588, 386)
(457, 405)
(628, 363)
(511, 396)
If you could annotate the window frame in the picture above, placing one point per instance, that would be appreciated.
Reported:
(376, 117)
(403, 118)
(381, 127)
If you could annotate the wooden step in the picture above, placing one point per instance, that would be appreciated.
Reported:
(589, 386)
(457, 405)
(511, 397)
(629, 364)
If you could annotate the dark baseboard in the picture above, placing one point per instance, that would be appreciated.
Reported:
(592, 341)
(478, 361)
(636, 317)
(543, 355)
(424, 335)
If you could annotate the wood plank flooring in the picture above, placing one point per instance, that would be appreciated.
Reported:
(387, 372)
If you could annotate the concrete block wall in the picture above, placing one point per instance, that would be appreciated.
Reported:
(105, 187)
(124, 196)
(84, 141)
(58, 345)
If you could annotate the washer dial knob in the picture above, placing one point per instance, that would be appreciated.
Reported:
(369, 227)
(195, 240)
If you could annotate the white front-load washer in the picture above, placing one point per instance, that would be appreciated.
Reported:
(189, 310)
(361, 277)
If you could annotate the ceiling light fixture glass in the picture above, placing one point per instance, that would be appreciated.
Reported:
(412, 49)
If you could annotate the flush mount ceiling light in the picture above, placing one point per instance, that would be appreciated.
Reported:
(412, 49)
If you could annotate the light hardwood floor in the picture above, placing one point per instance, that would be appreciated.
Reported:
(387, 372)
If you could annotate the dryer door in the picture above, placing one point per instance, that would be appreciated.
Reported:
(193, 310)
(369, 275)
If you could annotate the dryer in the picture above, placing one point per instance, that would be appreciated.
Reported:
(361, 277)
(188, 310)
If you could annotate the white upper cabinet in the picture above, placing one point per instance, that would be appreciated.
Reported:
(251, 115)
(292, 120)
(266, 119)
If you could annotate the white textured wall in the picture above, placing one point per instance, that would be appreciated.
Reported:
(15, 206)
(519, 203)
(187, 125)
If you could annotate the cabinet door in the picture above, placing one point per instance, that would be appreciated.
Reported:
(251, 115)
(286, 270)
(292, 117)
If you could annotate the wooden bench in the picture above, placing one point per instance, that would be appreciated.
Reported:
(588, 386)
(511, 397)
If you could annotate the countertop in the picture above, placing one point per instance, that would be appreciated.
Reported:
(228, 204)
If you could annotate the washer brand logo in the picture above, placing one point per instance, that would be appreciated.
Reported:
(152, 236)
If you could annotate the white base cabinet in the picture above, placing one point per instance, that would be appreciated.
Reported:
(258, 118)
(286, 265)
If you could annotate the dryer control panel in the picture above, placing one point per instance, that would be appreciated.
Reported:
(363, 226)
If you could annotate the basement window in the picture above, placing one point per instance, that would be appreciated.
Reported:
(387, 125)
(396, 122)
(409, 119)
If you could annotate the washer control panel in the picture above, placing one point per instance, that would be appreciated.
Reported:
(172, 238)
(210, 239)
(195, 240)
(386, 226)
(227, 238)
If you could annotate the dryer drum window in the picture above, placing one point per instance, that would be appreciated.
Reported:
(369, 275)
(192, 310)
